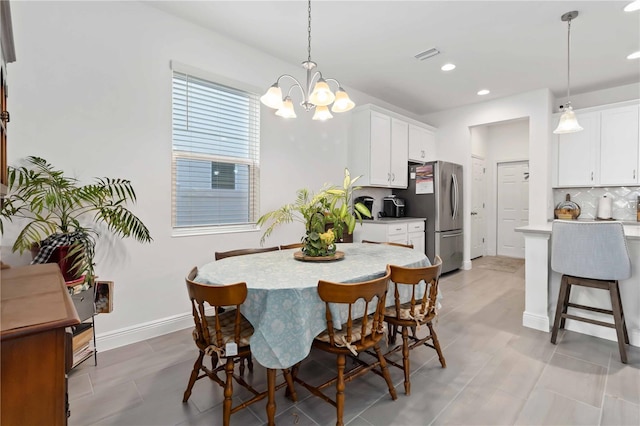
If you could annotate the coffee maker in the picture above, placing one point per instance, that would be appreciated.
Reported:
(368, 203)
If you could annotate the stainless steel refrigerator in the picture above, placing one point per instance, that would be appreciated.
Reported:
(435, 192)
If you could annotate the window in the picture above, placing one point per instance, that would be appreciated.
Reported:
(216, 148)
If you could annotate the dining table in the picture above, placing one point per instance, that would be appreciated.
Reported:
(282, 301)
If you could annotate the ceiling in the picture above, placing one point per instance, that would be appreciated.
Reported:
(508, 47)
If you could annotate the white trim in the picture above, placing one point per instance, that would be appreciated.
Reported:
(217, 78)
(214, 229)
(537, 322)
(139, 332)
(466, 265)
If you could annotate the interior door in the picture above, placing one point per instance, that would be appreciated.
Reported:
(513, 207)
(478, 224)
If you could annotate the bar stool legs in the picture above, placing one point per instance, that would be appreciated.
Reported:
(616, 311)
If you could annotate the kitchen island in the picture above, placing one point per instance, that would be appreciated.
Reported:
(543, 284)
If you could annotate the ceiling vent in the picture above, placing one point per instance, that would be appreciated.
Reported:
(427, 54)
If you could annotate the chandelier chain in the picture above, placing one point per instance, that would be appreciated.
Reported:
(309, 32)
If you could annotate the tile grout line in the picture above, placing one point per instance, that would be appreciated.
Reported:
(461, 390)
(533, 388)
(604, 389)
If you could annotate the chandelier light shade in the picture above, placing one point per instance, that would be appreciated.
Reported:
(286, 110)
(316, 94)
(568, 121)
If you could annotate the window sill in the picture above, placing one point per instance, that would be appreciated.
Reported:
(213, 230)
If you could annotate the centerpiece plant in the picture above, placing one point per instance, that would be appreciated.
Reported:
(59, 214)
(327, 216)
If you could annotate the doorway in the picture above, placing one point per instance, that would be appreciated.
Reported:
(478, 227)
(512, 206)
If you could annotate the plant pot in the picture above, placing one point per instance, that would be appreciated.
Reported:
(60, 256)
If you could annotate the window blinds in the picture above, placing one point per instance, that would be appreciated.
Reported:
(216, 137)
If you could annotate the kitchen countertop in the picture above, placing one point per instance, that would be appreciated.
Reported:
(631, 229)
(388, 220)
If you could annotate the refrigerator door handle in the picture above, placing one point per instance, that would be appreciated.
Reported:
(457, 234)
(452, 196)
(455, 195)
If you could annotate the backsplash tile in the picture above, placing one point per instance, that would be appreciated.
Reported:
(624, 200)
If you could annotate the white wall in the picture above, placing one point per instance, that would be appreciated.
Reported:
(91, 93)
(455, 144)
(506, 142)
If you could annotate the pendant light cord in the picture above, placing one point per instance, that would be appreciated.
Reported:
(569, 62)
(309, 32)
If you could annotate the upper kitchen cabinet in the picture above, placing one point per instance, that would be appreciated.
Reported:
(379, 146)
(422, 143)
(619, 146)
(578, 153)
(605, 153)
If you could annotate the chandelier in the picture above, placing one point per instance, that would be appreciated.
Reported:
(315, 94)
(568, 122)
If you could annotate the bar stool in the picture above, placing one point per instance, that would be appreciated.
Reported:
(590, 254)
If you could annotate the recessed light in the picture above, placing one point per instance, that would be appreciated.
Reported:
(448, 67)
(483, 92)
(633, 6)
(634, 55)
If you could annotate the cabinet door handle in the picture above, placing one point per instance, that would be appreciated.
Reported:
(634, 173)
(388, 177)
(591, 176)
(422, 153)
(393, 177)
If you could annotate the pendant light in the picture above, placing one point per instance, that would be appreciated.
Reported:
(568, 122)
(319, 98)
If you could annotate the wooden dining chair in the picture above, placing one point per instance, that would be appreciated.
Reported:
(291, 246)
(388, 243)
(354, 337)
(215, 336)
(241, 252)
(419, 311)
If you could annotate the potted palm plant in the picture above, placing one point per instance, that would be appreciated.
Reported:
(327, 216)
(60, 215)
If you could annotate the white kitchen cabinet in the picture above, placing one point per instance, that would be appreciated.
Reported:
(399, 154)
(378, 151)
(578, 153)
(403, 231)
(421, 144)
(415, 235)
(378, 147)
(619, 146)
(605, 153)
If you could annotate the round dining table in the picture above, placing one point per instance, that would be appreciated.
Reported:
(282, 300)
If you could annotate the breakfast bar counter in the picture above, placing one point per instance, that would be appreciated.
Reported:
(542, 285)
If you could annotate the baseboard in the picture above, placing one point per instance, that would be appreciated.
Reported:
(466, 265)
(139, 332)
(537, 322)
(602, 332)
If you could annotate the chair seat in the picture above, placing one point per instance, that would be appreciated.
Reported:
(405, 314)
(340, 336)
(227, 324)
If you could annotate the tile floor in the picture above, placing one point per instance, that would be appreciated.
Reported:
(498, 372)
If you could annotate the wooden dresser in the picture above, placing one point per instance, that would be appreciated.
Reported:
(35, 309)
